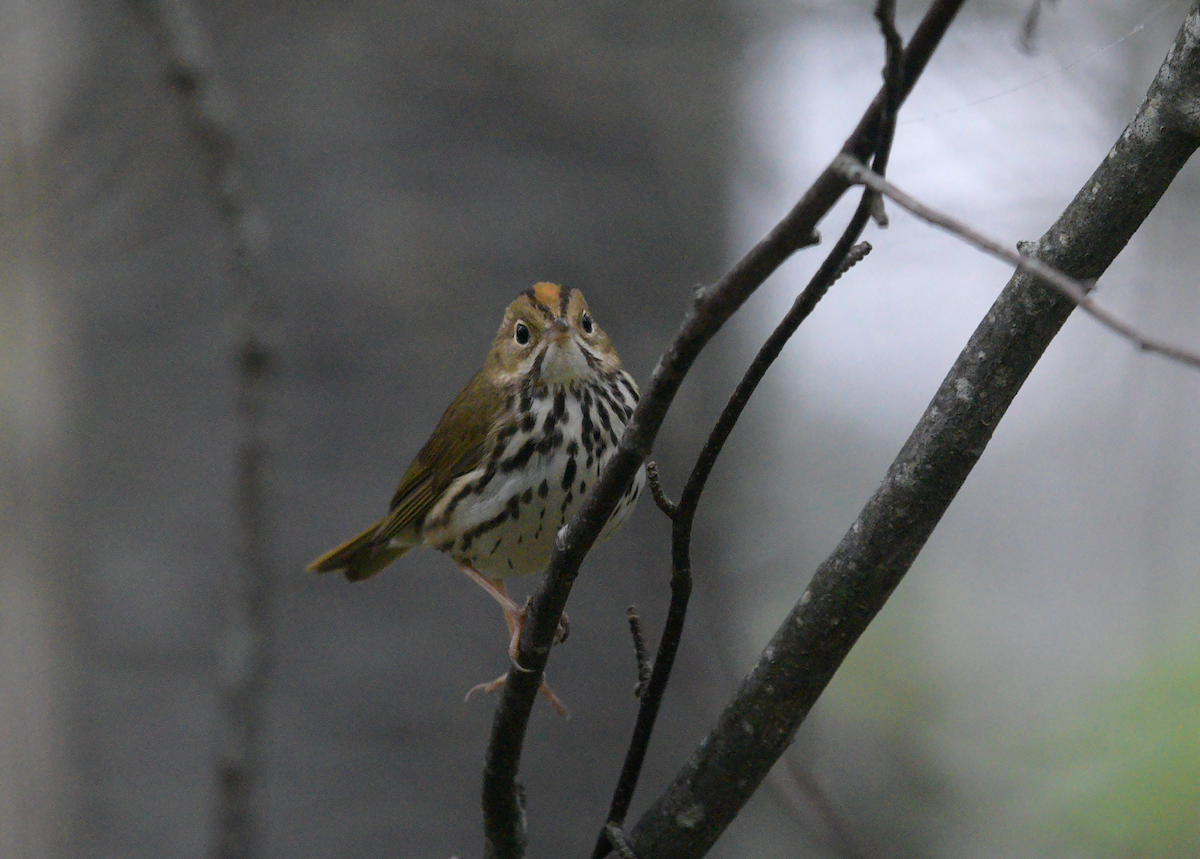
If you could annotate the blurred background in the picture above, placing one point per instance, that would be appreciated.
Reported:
(1034, 684)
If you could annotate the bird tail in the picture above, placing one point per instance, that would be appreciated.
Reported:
(359, 557)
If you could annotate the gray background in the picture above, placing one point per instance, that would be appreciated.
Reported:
(413, 167)
(416, 166)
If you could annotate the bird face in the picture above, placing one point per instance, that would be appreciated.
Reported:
(548, 334)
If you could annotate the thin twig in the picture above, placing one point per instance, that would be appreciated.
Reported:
(1076, 290)
(616, 837)
(639, 651)
(665, 504)
(852, 585)
(711, 308)
(681, 575)
(841, 258)
(857, 254)
(845, 843)
(893, 97)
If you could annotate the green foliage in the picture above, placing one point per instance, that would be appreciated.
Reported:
(889, 679)
(1124, 779)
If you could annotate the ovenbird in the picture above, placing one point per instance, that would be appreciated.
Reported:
(512, 458)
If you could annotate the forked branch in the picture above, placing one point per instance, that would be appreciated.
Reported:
(1075, 290)
(712, 307)
(852, 585)
(844, 254)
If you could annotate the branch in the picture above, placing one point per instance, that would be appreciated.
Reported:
(617, 838)
(1076, 291)
(851, 585)
(712, 307)
(893, 97)
(844, 255)
(640, 654)
(665, 504)
(243, 643)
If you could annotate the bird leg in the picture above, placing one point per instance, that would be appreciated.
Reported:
(514, 617)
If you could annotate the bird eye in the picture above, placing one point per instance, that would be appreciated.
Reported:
(521, 333)
(586, 322)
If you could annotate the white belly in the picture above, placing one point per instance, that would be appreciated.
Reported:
(508, 527)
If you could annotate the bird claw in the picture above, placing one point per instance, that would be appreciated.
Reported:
(514, 644)
(487, 688)
(517, 626)
(547, 693)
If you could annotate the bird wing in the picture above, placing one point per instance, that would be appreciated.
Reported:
(458, 445)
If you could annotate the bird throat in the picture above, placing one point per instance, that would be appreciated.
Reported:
(565, 362)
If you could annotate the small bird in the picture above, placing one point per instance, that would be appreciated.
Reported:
(511, 460)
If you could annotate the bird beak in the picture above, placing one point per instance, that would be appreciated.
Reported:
(560, 328)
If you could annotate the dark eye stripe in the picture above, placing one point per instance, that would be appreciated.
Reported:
(593, 360)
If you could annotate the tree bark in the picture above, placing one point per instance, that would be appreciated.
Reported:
(851, 586)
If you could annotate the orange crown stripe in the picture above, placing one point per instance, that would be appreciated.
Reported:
(548, 294)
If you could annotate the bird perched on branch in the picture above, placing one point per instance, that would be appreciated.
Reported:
(512, 459)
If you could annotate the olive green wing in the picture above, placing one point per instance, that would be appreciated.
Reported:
(456, 447)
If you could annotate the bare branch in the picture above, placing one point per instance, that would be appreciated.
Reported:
(844, 255)
(639, 651)
(243, 652)
(852, 585)
(712, 307)
(651, 698)
(665, 504)
(893, 97)
(1077, 291)
(857, 254)
(616, 837)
